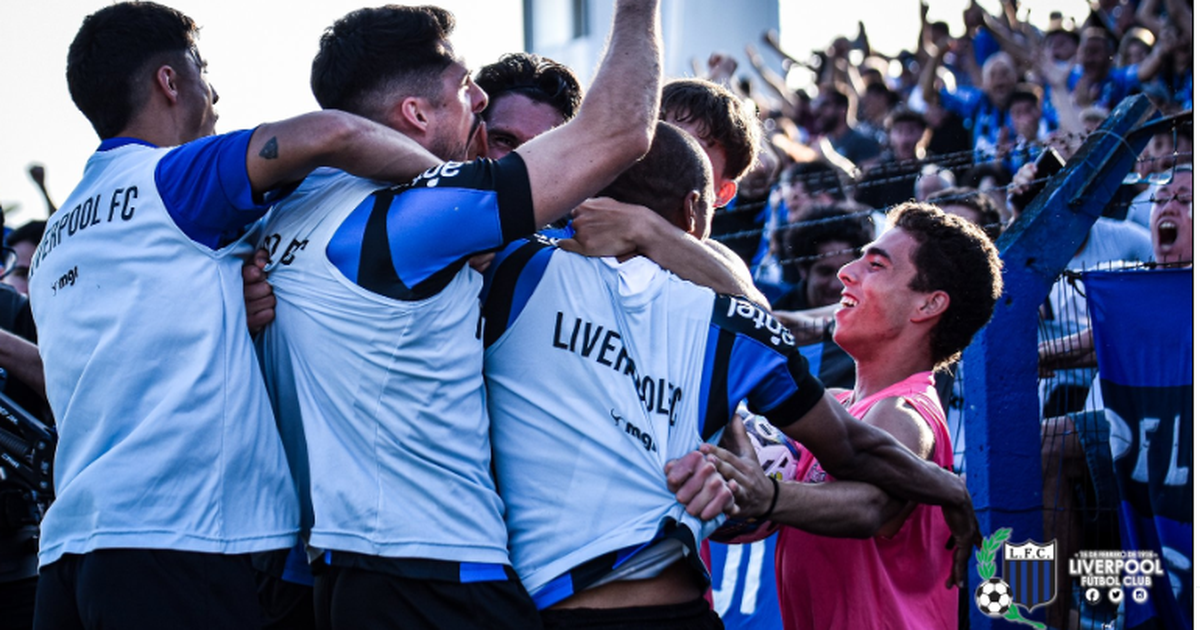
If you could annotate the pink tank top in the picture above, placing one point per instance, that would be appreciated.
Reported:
(896, 582)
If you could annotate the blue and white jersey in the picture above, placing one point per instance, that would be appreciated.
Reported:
(166, 438)
(599, 373)
(375, 364)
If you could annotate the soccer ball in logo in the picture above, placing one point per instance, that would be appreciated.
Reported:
(993, 597)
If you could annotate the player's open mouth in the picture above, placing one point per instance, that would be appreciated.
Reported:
(848, 301)
(1168, 231)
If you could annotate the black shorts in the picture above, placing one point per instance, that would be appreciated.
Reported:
(147, 588)
(352, 597)
(693, 615)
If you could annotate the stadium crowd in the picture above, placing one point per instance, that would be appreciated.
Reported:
(383, 346)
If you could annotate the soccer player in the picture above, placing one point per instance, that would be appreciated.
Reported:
(600, 371)
(729, 133)
(911, 304)
(373, 358)
(169, 468)
(528, 95)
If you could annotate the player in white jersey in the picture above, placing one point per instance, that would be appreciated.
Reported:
(601, 371)
(373, 358)
(169, 468)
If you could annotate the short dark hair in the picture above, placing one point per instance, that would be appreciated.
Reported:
(955, 256)
(535, 77)
(817, 177)
(837, 95)
(373, 49)
(825, 224)
(881, 89)
(722, 118)
(903, 113)
(989, 214)
(111, 54)
(674, 167)
(29, 233)
(1027, 92)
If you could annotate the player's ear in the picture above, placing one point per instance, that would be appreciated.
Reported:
(410, 114)
(725, 193)
(691, 213)
(166, 82)
(934, 305)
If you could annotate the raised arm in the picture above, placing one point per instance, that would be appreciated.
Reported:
(604, 227)
(285, 152)
(928, 79)
(615, 123)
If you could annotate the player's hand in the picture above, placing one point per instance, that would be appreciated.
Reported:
(738, 463)
(697, 484)
(966, 537)
(604, 227)
(257, 292)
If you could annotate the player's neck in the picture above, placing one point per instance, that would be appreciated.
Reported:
(887, 367)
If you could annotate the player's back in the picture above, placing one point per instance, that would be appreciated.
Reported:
(598, 373)
(389, 390)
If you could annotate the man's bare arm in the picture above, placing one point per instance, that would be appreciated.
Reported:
(604, 227)
(842, 509)
(856, 451)
(287, 151)
(615, 124)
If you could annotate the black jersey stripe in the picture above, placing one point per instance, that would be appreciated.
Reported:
(718, 410)
(498, 306)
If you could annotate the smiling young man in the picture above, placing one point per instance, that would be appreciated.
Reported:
(911, 303)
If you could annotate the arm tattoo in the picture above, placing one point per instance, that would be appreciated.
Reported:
(270, 150)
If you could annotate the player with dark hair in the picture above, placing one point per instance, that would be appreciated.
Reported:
(169, 470)
(528, 95)
(374, 361)
(600, 371)
(728, 133)
(911, 304)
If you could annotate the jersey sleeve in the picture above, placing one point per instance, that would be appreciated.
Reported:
(408, 241)
(509, 283)
(206, 189)
(963, 101)
(751, 356)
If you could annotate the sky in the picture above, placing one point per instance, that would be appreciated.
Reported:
(259, 53)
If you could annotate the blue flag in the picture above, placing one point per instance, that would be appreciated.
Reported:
(1142, 328)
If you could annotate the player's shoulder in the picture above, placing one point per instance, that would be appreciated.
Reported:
(742, 317)
(480, 174)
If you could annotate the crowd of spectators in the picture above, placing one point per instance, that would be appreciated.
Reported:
(962, 112)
